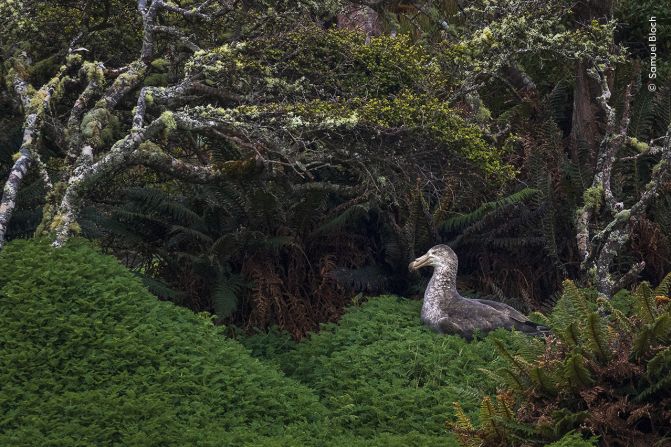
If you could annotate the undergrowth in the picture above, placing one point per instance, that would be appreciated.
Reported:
(605, 371)
(89, 357)
(378, 369)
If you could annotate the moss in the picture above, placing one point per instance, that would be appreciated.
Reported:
(56, 221)
(100, 127)
(149, 146)
(168, 120)
(656, 170)
(160, 64)
(593, 197)
(156, 80)
(37, 100)
(136, 70)
(73, 59)
(623, 215)
(640, 146)
(94, 72)
(75, 228)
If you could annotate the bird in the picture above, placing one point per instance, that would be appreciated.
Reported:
(445, 311)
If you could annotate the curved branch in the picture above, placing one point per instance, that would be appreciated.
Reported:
(16, 175)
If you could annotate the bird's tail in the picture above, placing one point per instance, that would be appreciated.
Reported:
(536, 329)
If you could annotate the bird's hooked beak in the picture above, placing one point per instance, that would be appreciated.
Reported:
(420, 262)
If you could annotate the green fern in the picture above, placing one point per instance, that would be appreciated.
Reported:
(645, 303)
(461, 221)
(576, 371)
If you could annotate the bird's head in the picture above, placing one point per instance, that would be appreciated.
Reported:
(438, 256)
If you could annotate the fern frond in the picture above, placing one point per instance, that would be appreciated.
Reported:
(577, 299)
(349, 216)
(463, 421)
(576, 371)
(488, 419)
(461, 221)
(597, 336)
(660, 362)
(149, 200)
(463, 428)
(225, 296)
(661, 384)
(645, 302)
(664, 286)
(619, 318)
(642, 342)
(517, 362)
(558, 102)
(543, 381)
(662, 326)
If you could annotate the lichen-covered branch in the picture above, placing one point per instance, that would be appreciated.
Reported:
(86, 146)
(613, 237)
(95, 77)
(599, 251)
(86, 173)
(35, 106)
(16, 175)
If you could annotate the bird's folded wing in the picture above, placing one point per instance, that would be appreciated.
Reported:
(508, 310)
(473, 315)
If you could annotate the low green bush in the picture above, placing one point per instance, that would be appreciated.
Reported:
(89, 357)
(380, 370)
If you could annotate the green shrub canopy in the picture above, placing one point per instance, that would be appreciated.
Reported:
(89, 357)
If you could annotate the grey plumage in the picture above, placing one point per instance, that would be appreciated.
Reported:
(446, 311)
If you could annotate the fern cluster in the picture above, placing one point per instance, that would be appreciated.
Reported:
(605, 371)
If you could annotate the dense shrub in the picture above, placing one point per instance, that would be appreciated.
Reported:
(379, 370)
(88, 356)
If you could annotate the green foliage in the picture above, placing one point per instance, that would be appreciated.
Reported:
(329, 81)
(91, 358)
(378, 370)
(598, 373)
(339, 60)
